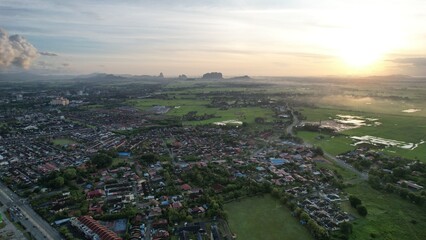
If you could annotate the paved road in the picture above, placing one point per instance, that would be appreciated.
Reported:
(362, 175)
(9, 231)
(289, 129)
(39, 228)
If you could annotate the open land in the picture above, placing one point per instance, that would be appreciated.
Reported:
(266, 214)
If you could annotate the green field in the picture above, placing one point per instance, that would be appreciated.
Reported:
(401, 127)
(116, 161)
(180, 107)
(389, 216)
(331, 144)
(263, 218)
(63, 141)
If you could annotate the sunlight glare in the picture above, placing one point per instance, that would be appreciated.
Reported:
(367, 39)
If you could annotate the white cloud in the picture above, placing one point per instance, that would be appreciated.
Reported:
(16, 50)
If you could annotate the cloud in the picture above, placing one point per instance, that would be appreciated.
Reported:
(50, 54)
(414, 61)
(16, 50)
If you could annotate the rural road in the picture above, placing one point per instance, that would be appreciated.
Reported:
(343, 164)
(289, 129)
(38, 228)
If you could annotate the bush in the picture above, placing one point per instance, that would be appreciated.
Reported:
(362, 210)
(354, 201)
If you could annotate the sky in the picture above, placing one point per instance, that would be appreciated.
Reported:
(235, 37)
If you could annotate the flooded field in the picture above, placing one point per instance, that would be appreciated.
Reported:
(411, 110)
(378, 141)
(345, 122)
(228, 122)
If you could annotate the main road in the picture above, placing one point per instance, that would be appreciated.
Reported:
(290, 131)
(33, 223)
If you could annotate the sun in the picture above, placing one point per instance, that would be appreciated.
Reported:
(360, 53)
(363, 42)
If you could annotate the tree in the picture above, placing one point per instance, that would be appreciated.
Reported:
(57, 182)
(149, 158)
(283, 200)
(354, 201)
(275, 193)
(318, 151)
(399, 172)
(304, 216)
(362, 210)
(374, 181)
(101, 160)
(70, 174)
(297, 211)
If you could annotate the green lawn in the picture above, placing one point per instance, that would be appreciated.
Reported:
(263, 218)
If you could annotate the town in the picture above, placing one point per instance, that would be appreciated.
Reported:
(95, 165)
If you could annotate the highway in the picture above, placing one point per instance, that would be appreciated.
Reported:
(36, 225)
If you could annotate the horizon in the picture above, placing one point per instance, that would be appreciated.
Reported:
(256, 38)
(225, 76)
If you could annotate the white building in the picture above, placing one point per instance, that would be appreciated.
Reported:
(60, 101)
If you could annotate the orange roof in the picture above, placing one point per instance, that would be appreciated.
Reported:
(103, 232)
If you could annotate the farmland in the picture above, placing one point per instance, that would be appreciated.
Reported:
(180, 107)
(401, 127)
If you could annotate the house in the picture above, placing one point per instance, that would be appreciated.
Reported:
(196, 210)
(176, 205)
(161, 234)
(185, 187)
(90, 227)
(95, 193)
(160, 223)
(217, 188)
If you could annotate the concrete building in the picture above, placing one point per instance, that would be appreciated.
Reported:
(60, 101)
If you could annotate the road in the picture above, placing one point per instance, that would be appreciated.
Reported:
(361, 175)
(9, 231)
(36, 225)
(289, 129)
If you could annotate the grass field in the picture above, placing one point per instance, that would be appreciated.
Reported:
(181, 107)
(389, 217)
(331, 144)
(263, 218)
(401, 127)
(63, 141)
(116, 161)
